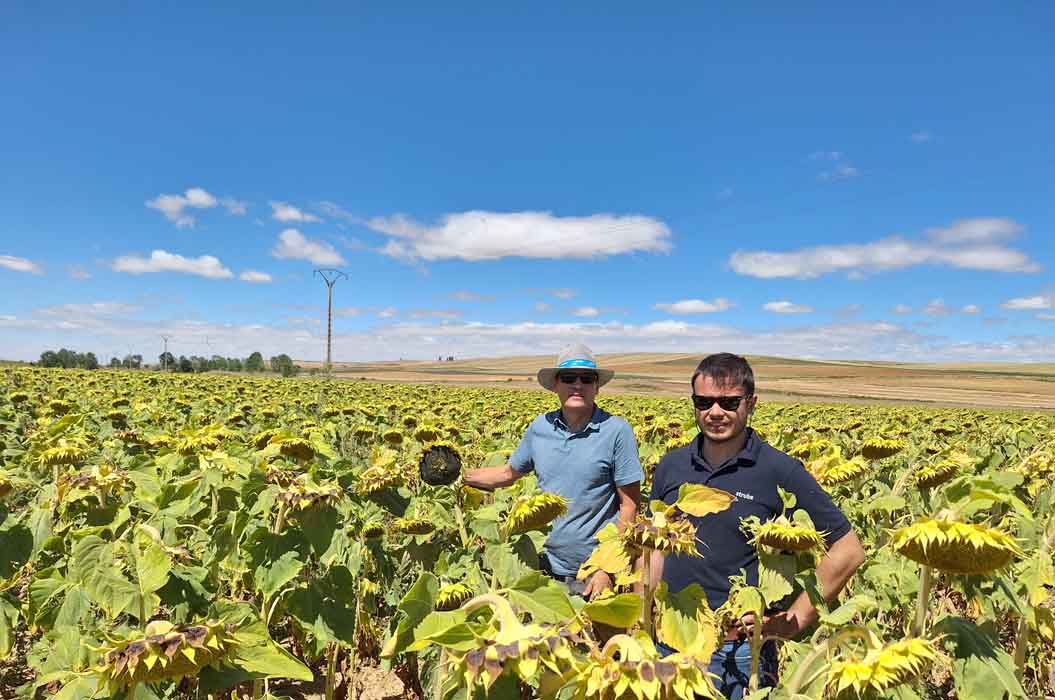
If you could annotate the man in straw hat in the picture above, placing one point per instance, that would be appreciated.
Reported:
(582, 453)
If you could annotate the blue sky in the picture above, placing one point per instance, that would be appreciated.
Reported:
(810, 181)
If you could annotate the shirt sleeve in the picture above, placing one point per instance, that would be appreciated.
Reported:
(523, 459)
(626, 463)
(809, 496)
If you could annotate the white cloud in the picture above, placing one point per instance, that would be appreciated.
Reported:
(586, 312)
(1045, 317)
(77, 272)
(467, 296)
(163, 261)
(389, 312)
(235, 207)
(173, 206)
(936, 307)
(849, 310)
(98, 308)
(254, 276)
(921, 136)
(564, 293)
(1041, 301)
(787, 307)
(902, 309)
(980, 230)
(542, 306)
(695, 306)
(843, 172)
(970, 309)
(20, 264)
(434, 313)
(482, 235)
(335, 211)
(346, 312)
(959, 245)
(293, 245)
(281, 211)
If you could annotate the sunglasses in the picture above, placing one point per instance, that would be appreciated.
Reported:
(570, 377)
(726, 403)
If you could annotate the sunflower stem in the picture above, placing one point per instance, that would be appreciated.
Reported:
(1021, 646)
(800, 680)
(756, 651)
(331, 670)
(649, 590)
(280, 519)
(437, 688)
(919, 623)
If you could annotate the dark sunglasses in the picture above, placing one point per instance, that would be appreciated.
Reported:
(726, 403)
(570, 377)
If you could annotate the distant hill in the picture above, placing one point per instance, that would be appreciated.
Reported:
(976, 385)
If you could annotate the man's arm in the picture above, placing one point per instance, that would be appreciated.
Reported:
(843, 558)
(491, 478)
(629, 495)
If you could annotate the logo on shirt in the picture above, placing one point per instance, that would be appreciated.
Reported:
(746, 496)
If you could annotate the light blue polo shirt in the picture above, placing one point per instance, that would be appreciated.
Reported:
(585, 468)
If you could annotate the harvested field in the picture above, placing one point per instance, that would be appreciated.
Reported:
(1030, 387)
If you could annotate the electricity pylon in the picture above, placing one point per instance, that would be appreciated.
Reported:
(330, 276)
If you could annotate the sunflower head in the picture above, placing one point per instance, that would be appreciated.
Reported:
(440, 464)
(955, 547)
(63, 453)
(938, 473)
(163, 651)
(788, 535)
(535, 512)
(842, 472)
(373, 531)
(453, 596)
(667, 532)
(881, 448)
(414, 526)
(393, 437)
(296, 448)
(880, 670)
(377, 478)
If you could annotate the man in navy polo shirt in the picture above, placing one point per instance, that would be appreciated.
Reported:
(582, 453)
(729, 455)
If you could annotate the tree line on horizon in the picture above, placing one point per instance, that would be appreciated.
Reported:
(71, 359)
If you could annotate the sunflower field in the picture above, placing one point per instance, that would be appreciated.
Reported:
(209, 537)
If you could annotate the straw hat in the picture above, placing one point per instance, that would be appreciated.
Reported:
(576, 356)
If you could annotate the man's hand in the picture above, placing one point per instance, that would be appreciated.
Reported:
(597, 584)
(782, 625)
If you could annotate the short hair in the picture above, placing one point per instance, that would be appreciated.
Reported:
(726, 368)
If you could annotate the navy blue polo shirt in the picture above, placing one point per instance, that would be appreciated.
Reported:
(753, 476)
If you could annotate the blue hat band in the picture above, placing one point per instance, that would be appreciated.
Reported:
(577, 363)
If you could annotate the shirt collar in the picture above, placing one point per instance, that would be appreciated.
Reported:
(594, 423)
(747, 456)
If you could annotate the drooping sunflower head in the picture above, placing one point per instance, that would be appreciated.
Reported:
(628, 667)
(373, 531)
(261, 439)
(296, 448)
(880, 670)
(63, 453)
(197, 444)
(787, 535)
(535, 512)
(299, 496)
(670, 533)
(377, 478)
(453, 596)
(881, 448)
(5, 484)
(414, 526)
(842, 472)
(938, 473)
(955, 547)
(393, 437)
(427, 433)
(163, 651)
